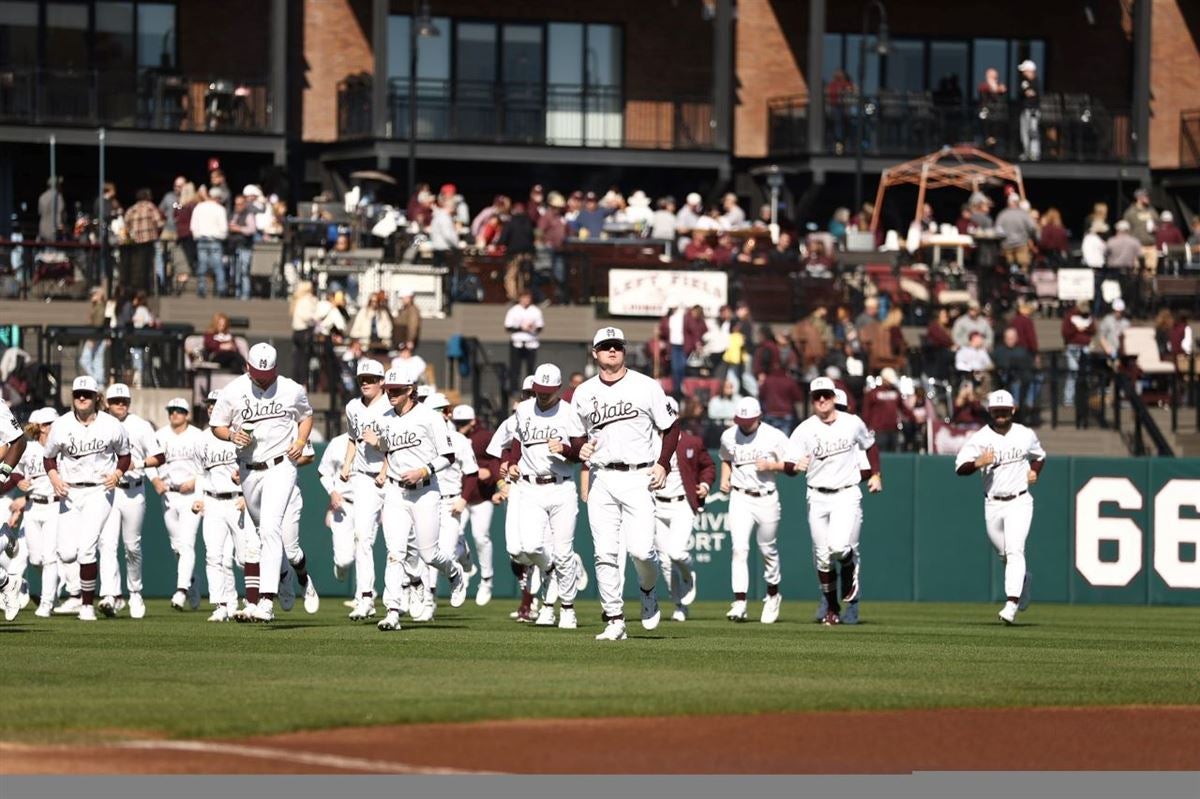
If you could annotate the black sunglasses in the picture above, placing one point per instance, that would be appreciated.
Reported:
(83, 395)
(610, 345)
(395, 391)
(819, 395)
(119, 401)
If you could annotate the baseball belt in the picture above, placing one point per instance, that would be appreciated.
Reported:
(410, 486)
(223, 495)
(750, 493)
(832, 490)
(679, 498)
(130, 484)
(83, 485)
(261, 467)
(40, 500)
(1007, 497)
(543, 480)
(627, 467)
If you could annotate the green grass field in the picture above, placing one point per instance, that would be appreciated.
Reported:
(175, 674)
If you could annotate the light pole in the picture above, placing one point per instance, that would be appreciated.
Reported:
(881, 47)
(420, 26)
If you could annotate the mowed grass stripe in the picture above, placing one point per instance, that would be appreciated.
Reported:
(174, 674)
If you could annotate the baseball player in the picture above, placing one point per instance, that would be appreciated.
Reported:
(180, 441)
(548, 434)
(675, 507)
(12, 442)
(339, 517)
(479, 509)
(295, 563)
(418, 448)
(37, 510)
(129, 508)
(1010, 458)
(751, 452)
(86, 456)
(509, 492)
(826, 446)
(14, 556)
(268, 418)
(621, 412)
(363, 472)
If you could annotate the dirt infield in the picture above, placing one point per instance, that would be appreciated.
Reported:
(1034, 739)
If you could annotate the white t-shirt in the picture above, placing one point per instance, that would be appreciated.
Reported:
(32, 467)
(450, 479)
(533, 428)
(275, 413)
(969, 359)
(218, 459)
(675, 327)
(742, 452)
(674, 486)
(183, 455)
(833, 449)
(518, 317)
(624, 418)
(86, 453)
(1009, 474)
(360, 417)
(143, 443)
(10, 431)
(334, 457)
(414, 440)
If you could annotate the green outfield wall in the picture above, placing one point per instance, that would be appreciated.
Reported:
(1106, 530)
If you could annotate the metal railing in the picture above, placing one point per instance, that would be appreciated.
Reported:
(149, 99)
(1072, 127)
(1189, 137)
(547, 114)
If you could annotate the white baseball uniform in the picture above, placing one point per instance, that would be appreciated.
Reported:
(512, 504)
(623, 419)
(1008, 505)
(450, 523)
(10, 431)
(673, 523)
(753, 500)
(479, 522)
(228, 531)
(129, 511)
(85, 454)
(340, 520)
(549, 497)
(40, 519)
(180, 468)
(417, 439)
(366, 513)
(268, 477)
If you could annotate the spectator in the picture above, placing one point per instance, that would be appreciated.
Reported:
(812, 338)
(968, 410)
(189, 198)
(721, 407)
(1123, 249)
(52, 212)
(217, 180)
(589, 224)
(535, 206)
(781, 399)
(981, 215)
(1167, 234)
(838, 224)
(303, 310)
(420, 207)
(732, 215)
(639, 214)
(485, 224)
(883, 342)
(784, 253)
(683, 333)
(817, 264)
(518, 242)
(1143, 223)
(242, 230)
(768, 357)
(1078, 328)
(1031, 111)
(1015, 370)
(973, 363)
(662, 228)
(698, 249)
(1112, 329)
(741, 348)
(408, 362)
(1022, 323)
(1194, 239)
(552, 234)
(1099, 214)
(1016, 226)
(443, 232)
(940, 345)
(972, 321)
(1053, 241)
(839, 95)
(963, 224)
(1164, 323)
(143, 226)
(991, 88)
(210, 227)
(93, 350)
(220, 346)
(845, 333)
(884, 411)
(138, 316)
(372, 325)
(688, 217)
(167, 207)
(870, 313)
(524, 323)
(1180, 342)
(108, 208)
(573, 382)
(406, 327)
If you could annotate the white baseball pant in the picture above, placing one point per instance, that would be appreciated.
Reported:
(479, 521)
(40, 523)
(1007, 528)
(82, 516)
(449, 531)
(224, 531)
(512, 524)
(183, 524)
(341, 529)
(124, 524)
(366, 515)
(835, 521)
(621, 513)
(546, 527)
(759, 515)
(411, 513)
(673, 522)
(268, 492)
(291, 528)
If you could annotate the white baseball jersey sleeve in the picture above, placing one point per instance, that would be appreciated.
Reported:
(451, 478)
(832, 449)
(143, 443)
(274, 412)
(182, 452)
(742, 452)
(415, 439)
(360, 417)
(219, 460)
(10, 431)
(623, 418)
(32, 467)
(86, 453)
(1009, 474)
(501, 438)
(533, 428)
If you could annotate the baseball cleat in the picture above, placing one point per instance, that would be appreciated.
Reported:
(389, 622)
(680, 614)
(458, 588)
(831, 618)
(137, 605)
(688, 588)
(613, 631)
(822, 609)
(1008, 613)
(312, 602)
(45, 609)
(108, 607)
(87, 613)
(421, 610)
(770, 611)
(1023, 602)
(220, 614)
(23, 597)
(483, 594)
(69, 607)
(179, 599)
(10, 597)
(11, 609)
(582, 579)
(567, 620)
(287, 592)
(193, 596)
(849, 613)
(264, 611)
(545, 617)
(737, 610)
(525, 614)
(650, 612)
(364, 607)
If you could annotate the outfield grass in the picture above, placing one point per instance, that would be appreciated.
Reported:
(177, 675)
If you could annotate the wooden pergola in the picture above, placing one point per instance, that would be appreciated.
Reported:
(961, 167)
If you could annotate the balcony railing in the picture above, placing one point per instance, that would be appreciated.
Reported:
(1072, 127)
(554, 115)
(1189, 138)
(145, 100)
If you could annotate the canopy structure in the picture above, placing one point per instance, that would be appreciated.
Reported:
(961, 167)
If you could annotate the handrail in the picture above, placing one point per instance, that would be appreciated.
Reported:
(1142, 420)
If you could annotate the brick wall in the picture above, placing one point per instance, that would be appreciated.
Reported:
(337, 43)
(1174, 76)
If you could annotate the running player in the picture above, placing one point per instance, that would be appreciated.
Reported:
(459, 484)
(339, 515)
(479, 509)
(176, 484)
(38, 509)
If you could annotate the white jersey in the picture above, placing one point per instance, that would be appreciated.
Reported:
(1009, 474)
(360, 417)
(143, 443)
(742, 452)
(275, 413)
(332, 459)
(832, 449)
(674, 485)
(10, 431)
(182, 452)
(414, 439)
(533, 428)
(32, 467)
(86, 453)
(450, 479)
(623, 418)
(219, 460)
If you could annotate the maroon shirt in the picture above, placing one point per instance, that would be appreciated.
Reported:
(1053, 239)
(479, 443)
(695, 466)
(1026, 332)
(882, 408)
(1073, 335)
(778, 395)
(938, 336)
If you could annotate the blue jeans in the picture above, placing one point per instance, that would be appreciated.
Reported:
(241, 272)
(160, 265)
(209, 253)
(785, 424)
(91, 360)
(1074, 353)
(678, 368)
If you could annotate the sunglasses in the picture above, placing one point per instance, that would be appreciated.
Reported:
(823, 395)
(119, 401)
(365, 379)
(177, 410)
(610, 346)
(82, 395)
(396, 391)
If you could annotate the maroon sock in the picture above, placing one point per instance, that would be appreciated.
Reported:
(829, 588)
(302, 570)
(87, 581)
(847, 576)
(772, 590)
(252, 583)
(740, 596)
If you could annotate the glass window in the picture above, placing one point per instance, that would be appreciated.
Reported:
(1019, 50)
(603, 55)
(156, 35)
(831, 56)
(397, 54)
(989, 54)
(564, 64)
(113, 43)
(475, 60)
(18, 34)
(906, 65)
(871, 79)
(522, 55)
(949, 67)
(66, 36)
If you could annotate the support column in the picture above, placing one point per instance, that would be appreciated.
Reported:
(723, 75)
(279, 63)
(1141, 80)
(816, 89)
(379, 43)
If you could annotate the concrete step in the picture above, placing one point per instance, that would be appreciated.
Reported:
(1069, 441)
